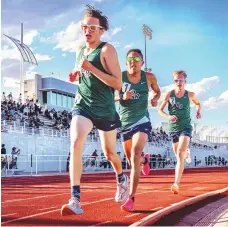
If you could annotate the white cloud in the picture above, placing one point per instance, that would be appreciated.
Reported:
(29, 37)
(70, 39)
(46, 40)
(30, 73)
(98, 0)
(115, 44)
(216, 102)
(128, 46)
(64, 55)
(116, 30)
(10, 53)
(9, 82)
(43, 57)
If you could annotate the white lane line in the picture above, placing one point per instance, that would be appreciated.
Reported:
(47, 208)
(47, 212)
(37, 197)
(44, 196)
(6, 215)
(34, 215)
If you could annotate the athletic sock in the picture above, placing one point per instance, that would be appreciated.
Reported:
(75, 192)
(120, 178)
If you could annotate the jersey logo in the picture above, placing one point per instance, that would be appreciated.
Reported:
(175, 104)
(172, 101)
(78, 98)
(126, 87)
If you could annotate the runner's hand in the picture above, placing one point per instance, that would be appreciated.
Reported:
(173, 118)
(74, 75)
(85, 64)
(154, 102)
(128, 95)
(198, 115)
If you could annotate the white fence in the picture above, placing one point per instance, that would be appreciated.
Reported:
(39, 164)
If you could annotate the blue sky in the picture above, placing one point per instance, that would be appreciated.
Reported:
(189, 35)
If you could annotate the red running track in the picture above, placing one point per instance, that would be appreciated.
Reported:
(30, 201)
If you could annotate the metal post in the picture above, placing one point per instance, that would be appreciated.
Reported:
(36, 164)
(145, 52)
(22, 69)
(59, 164)
(31, 164)
(147, 32)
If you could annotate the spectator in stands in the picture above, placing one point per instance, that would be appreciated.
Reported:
(20, 98)
(68, 162)
(3, 150)
(10, 96)
(3, 97)
(14, 154)
(27, 100)
(94, 155)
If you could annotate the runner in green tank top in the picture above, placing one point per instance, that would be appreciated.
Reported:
(136, 125)
(98, 71)
(180, 128)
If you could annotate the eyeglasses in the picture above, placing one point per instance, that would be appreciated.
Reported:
(92, 27)
(136, 59)
(179, 80)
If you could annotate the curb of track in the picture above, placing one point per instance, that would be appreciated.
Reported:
(152, 218)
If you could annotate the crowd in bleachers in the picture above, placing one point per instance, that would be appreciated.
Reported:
(30, 112)
(213, 160)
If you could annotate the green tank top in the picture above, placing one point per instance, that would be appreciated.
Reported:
(181, 108)
(93, 96)
(133, 110)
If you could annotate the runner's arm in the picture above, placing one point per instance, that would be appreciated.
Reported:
(162, 106)
(194, 100)
(154, 86)
(114, 78)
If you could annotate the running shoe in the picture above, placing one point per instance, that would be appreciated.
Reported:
(73, 207)
(128, 205)
(175, 188)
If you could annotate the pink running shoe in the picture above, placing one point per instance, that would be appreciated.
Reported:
(128, 205)
(146, 167)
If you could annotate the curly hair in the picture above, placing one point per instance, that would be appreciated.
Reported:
(92, 12)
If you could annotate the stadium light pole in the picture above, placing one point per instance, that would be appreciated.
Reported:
(147, 33)
(22, 68)
(26, 56)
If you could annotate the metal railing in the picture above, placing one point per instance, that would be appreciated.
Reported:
(12, 165)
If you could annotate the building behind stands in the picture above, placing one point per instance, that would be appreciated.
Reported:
(50, 91)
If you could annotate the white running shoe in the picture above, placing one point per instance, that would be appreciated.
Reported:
(188, 156)
(175, 188)
(73, 207)
(122, 192)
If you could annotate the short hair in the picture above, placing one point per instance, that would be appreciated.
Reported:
(177, 72)
(92, 12)
(137, 51)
